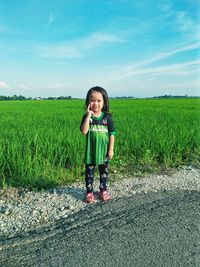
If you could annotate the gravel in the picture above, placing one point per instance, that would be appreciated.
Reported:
(22, 210)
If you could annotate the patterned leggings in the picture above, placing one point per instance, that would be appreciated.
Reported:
(89, 176)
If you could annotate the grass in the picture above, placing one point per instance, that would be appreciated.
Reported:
(41, 144)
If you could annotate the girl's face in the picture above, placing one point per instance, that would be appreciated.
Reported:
(96, 102)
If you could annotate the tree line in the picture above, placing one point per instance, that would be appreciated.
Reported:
(21, 97)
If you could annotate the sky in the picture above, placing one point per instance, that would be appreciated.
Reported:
(138, 48)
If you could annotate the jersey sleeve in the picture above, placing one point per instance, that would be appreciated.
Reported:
(111, 126)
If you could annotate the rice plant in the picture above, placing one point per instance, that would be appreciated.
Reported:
(41, 144)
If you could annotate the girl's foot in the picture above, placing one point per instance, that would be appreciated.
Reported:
(104, 195)
(90, 198)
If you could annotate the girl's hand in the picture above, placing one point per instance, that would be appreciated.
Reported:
(89, 111)
(110, 154)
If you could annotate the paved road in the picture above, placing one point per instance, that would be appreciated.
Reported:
(157, 229)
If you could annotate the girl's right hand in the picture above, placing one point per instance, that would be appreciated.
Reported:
(89, 111)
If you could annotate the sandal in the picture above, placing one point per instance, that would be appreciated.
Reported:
(104, 195)
(90, 198)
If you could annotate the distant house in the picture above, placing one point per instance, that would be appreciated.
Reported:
(37, 98)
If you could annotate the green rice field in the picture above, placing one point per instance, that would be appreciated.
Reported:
(41, 144)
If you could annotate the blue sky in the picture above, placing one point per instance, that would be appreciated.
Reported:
(137, 48)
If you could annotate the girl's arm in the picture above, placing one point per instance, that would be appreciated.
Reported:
(86, 124)
(111, 146)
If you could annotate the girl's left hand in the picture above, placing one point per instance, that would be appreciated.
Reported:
(110, 154)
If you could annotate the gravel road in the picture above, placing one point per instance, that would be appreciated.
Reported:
(151, 221)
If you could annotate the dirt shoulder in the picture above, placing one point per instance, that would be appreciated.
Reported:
(22, 210)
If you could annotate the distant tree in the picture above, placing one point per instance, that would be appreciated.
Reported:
(21, 97)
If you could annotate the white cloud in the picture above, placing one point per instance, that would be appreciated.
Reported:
(160, 56)
(141, 68)
(98, 39)
(179, 20)
(183, 22)
(165, 7)
(51, 18)
(4, 85)
(179, 69)
(59, 51)
(79, 47)
(166, 54)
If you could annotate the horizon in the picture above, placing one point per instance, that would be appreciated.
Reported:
(69, 97)
(56, 48)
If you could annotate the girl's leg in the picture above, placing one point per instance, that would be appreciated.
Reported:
(89, 178)
(103, 171)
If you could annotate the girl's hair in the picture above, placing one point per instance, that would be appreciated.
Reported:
(104, 94)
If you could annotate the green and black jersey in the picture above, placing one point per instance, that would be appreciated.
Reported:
(97, 139)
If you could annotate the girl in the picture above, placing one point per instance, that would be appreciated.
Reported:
(100, 132)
